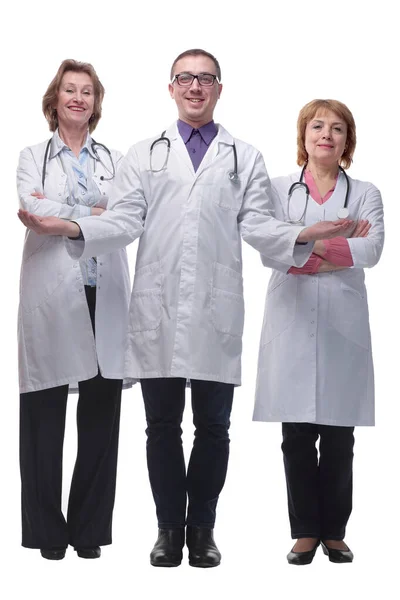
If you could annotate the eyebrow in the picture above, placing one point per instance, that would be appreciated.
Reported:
(87, 85)
(334, 123)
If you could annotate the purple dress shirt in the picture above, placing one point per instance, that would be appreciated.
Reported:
(197, 141)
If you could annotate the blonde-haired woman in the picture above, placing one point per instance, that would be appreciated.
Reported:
(315, 371)
(72, 325)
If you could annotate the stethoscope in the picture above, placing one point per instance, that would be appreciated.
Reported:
(343, 212)
(94, 146)
(233, 175)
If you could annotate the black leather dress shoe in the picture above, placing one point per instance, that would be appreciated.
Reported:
(94, 552)
(53, 553)
(167, 551)
(338, 556)
(302, 558)
(203, 551)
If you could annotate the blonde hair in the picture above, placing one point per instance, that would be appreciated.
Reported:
(51, 96)
(308, 113)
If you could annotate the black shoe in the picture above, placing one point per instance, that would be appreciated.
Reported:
(202, 549)
(302, 558)
(53, 553)
(167, 551)
(94, 552)
(338, 556)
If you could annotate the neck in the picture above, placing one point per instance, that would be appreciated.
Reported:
(195, 124)
(73, 138)
(321, 171)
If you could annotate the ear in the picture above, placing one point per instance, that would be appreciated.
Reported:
(171, 90)
(219, 90)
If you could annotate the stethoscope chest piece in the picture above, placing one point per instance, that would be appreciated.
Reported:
(234, 177)
(343, 213)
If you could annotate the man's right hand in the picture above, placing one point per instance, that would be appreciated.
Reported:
(325, 230)
(97, 211)
(48, 225)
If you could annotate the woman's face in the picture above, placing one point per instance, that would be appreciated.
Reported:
(75, 101)
(325, 138)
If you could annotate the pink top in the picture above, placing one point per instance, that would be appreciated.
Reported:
(337, 249)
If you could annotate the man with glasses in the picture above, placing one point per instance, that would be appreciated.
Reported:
(190, 193)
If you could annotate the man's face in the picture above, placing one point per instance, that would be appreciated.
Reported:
(195, 102)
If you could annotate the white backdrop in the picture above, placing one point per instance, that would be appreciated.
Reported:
(275, 57)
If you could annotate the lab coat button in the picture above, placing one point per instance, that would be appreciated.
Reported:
(312, 322)
(313, 309)
(59, 194)
(311, 335)
(80, 289)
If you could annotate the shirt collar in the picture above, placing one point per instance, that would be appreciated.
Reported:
(58, 145)
(207, 131)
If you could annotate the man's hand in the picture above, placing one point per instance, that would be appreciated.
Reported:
(325, 230)
(97, 211)
(48, 225)
(38, 195)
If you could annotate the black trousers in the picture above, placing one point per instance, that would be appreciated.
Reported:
(92, 493)
(319, 491)
(164, 401)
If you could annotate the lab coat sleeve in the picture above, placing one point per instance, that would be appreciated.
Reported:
(29, 179)
(367, 251)
(122, 222)
(279, 213)
(274, 239)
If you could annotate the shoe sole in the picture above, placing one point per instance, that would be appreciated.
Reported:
(203, 565)
(334, 560)
(166, 564)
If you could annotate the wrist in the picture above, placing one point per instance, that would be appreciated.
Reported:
(72, 230)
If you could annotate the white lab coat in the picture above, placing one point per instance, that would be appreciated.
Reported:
(187, 310)
(56, 342)
(315, 361)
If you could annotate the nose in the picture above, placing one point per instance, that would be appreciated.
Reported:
(78, 97)
(195, 85)
(326, 134)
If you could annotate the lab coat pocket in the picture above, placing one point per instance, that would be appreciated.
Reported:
(42, 272)
(348, 314)
(226, 194)
(146, 303)
(227, 303)
(280, 306)
(146, 310)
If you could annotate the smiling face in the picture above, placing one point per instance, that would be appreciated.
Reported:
(75, 100)
(325, 138)
(195, 103)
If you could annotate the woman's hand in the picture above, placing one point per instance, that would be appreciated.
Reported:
(361, 230)
(48, 225)
(38, 195)
(327, 267)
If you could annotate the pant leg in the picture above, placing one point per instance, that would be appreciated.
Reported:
(92, 493)
(212, 405)
(301, 470)
(336, 479)
(42, 426)
(164, 401)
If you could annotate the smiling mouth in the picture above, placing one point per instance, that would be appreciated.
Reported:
(76, 108)
(195, 100)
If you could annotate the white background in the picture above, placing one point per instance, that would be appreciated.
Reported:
(275, 57)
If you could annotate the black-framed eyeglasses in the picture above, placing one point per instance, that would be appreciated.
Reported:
(186, 79)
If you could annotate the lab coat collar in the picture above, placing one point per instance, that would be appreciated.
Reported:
(57, 145)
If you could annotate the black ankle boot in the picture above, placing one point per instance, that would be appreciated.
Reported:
(203, 551)
(167, 551)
